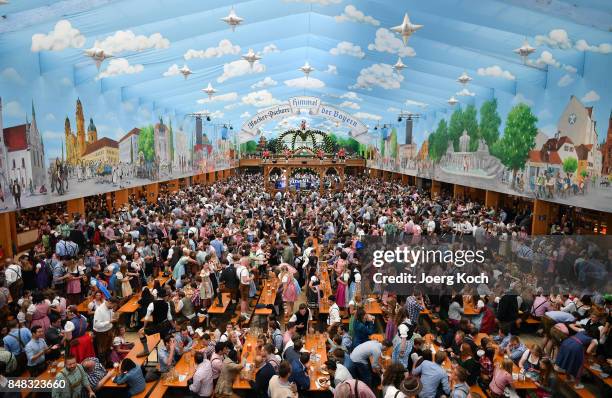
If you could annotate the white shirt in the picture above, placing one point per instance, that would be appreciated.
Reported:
(342, 374)
(103, 319)
(391, 391)
(334, 314)
(12, 273)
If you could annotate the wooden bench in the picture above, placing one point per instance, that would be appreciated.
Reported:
(475, 389)
(159, 391)
(148, 388)
(582, 392)
(532, 321)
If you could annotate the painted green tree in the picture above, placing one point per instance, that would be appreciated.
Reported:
(489, 122)
(570, 165)
(470, 124)
(518, 139)
(248, 147)
(455, 127)
(438, 141)
(393, 147)
(170, 140)
(146, 143)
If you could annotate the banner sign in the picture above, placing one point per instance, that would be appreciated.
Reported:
(295, 106)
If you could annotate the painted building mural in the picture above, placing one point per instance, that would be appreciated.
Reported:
(87, 162)
(572, 166)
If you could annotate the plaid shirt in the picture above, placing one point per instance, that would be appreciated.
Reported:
(96, 374)
(209, 349)
(414, 309)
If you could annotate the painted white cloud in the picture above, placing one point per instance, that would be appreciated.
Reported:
(303, 82)
(559, 38)
(570, 69)
(50, 117)
(233, 96)
(235, 105)
(119, 66)
(172, 71)
(368, 116)
(465, 93)
(546, 58)
(416, 103)
(351, 95)
(240, 68)
(225, 47)
(259, 99)
(217, 115)
(126, 40)
(604, 48)
(496, 71)
(270, 48)
(347, 48)
(381, 75)
(61, 37)
(350, 104)
(352, 14)
(556, 38)
(245, 114)
(266, 82)
(11, 75)
(332, 70)
(521, 99)
(393, 109)
(566, 80)
(66, 82)
(14, 109)
(387, 41)
(591, 96)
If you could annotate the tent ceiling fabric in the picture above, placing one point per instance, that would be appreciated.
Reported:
(349, 43)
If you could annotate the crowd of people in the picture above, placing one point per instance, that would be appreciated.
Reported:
(229, 237)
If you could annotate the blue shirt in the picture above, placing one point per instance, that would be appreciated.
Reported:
(431, 375)
(11, 340)
(34, 347)
(560, 316)
(162, 358)
(134, 379)
(363, 352)
(218, 246)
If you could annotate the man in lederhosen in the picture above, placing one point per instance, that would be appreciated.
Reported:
(158, 320)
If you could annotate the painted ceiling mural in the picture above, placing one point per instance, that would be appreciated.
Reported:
(512, 95)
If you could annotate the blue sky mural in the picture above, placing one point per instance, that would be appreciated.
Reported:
(46, 48)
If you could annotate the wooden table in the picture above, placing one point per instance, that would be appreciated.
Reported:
(249, 355)
(216, 309)
(152, 342)
(373, 307)
(469, 309)
(185, 367)
(130, 306)
(83, 306)
(325, 287)
(316, 342)
(526, 384)
(162, 281)
(268, 296)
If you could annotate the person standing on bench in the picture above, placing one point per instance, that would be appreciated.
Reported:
(157, 320)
